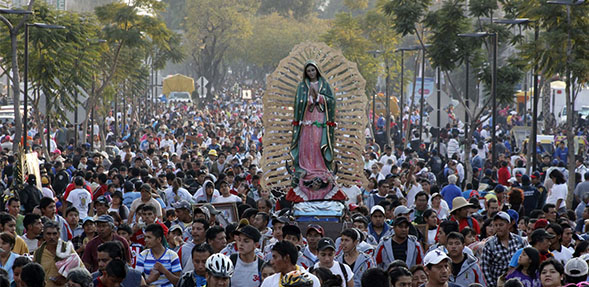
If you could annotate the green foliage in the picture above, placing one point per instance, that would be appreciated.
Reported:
(549, 52)
(213, 27)
(360, 37)
(174, 13)
(508, 76)
(482, 8)
(347, 35)
(134, 33)
(447, 49)
(406, 14)
(356, 4)
(272, 38)
(299, 9)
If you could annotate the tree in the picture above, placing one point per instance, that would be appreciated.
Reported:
(347, 34)
(213, 27)
(299, 9)
(271, 40)
(561, 33)
(59, 63)
(132, 31)
(14, 30)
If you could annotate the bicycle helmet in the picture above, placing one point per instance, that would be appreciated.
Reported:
(219, 265)
(297, 278)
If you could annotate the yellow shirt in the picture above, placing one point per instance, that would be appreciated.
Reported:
(48, 264)
(20, 246)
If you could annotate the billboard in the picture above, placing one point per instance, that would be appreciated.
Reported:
(428, 88)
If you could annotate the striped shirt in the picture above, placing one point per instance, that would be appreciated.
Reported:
(169, 260)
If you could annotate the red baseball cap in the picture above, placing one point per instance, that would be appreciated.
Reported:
(317, 228)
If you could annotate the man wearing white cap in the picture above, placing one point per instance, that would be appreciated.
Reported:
(500, 248)
(377, 227)
(437, 267)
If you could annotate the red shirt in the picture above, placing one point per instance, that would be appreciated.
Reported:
(503, 176)
(100, 191)
(464, 223)
(139, 236)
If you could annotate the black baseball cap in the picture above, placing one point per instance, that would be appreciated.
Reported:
(250, 232)
(325, 243)
(291, 230)
(399, 220)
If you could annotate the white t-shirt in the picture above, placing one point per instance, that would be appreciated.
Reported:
(274, 280)
(558, 191)
(80, 198)
(336, 270)
(246, 274)
(563, 256)
(384, 158)
(230, 198)
(352, 192)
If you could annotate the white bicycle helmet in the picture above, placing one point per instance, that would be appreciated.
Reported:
(219, 265)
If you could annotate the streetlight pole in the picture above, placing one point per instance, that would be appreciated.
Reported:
(494, 95)
(26, 77)
(493, 89)
(422, 94)
(534, 138)
(439, 107)
(402, 106)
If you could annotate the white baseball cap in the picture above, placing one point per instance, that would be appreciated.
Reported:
(377, 208)
(576, 267)
(434, 257)
(502, 215)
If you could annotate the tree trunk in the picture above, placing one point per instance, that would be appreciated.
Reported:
(18, 132)
(570, 106)
(467, 148)
(409, 133)
(548, 115)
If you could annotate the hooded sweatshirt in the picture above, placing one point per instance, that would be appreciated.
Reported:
(470, 272)
(201, 194)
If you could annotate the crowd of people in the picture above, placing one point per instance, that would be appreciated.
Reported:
(145, 213)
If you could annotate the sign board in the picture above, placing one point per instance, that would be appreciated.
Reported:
(246, 94)
(202, 90)
(60, 5)
(428, 89)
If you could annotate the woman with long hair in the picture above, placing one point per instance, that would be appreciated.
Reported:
(527, 268)
(430, 217)
(551, 273)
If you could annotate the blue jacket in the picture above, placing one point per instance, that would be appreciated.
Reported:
(561, 154)
(386, 230)
(449, 192)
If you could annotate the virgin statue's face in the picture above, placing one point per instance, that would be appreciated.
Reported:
(311, 72)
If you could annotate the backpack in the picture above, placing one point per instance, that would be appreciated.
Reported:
(341, 266)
